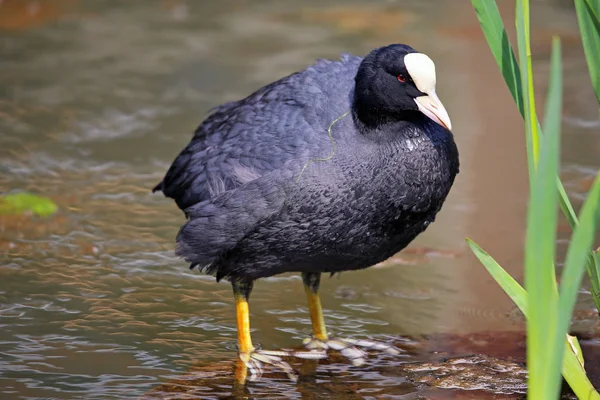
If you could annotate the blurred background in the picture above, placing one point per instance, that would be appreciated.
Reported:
(96, 100)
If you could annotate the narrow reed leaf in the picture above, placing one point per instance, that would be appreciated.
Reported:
(553, 112)
(510, 286)
(588, 13)
(576, 348)
(593, 14)
(574, 373)
(577, 256)
(540, 279)
(526, 70)
(593, 264)
(495, 34)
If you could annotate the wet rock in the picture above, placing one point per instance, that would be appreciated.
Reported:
(476, 372)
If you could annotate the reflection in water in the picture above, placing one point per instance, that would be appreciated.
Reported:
(96, 101)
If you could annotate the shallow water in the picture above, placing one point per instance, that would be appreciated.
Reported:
(96, 101)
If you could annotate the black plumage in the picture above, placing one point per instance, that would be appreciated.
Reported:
(269, 185)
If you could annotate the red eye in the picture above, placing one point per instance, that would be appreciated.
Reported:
(402, 78)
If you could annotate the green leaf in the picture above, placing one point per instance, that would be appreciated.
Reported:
(495, 34)
(574, 373)
(589, 26)
(593, 14)
(524, 50)
(553, 112)
(577, 256)
(576, 349)
(540, 279)
(510, 286)
(593, 264)
(23, 202)
(565, 205)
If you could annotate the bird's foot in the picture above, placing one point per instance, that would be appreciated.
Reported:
(353, 349)
(256, 360)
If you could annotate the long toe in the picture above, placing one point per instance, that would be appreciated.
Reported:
(256, 361)
(354, 350)
(371, 345)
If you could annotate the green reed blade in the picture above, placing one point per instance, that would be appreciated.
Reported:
(526, 71)
(510, 286)
(577, 256)
(588, 15)
(495, 34)
(540, 279)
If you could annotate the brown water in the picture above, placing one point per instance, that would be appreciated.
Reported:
(96, 101)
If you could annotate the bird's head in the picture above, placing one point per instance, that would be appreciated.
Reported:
(395, 81)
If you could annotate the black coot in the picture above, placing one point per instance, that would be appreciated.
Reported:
(330, 169)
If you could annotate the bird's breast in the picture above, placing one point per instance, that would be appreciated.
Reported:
(406, 185)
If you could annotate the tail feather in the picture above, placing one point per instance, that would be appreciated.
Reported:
(200, 243)
(158, 187)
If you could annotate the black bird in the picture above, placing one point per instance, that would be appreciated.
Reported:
(333, 168)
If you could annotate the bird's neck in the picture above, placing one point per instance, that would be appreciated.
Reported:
(369, 117)
(375, 124)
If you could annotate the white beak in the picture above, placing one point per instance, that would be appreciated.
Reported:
(431, 106)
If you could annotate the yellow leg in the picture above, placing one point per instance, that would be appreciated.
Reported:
(243, 324)
(311, 286)
(252, 360)
(241, 291)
